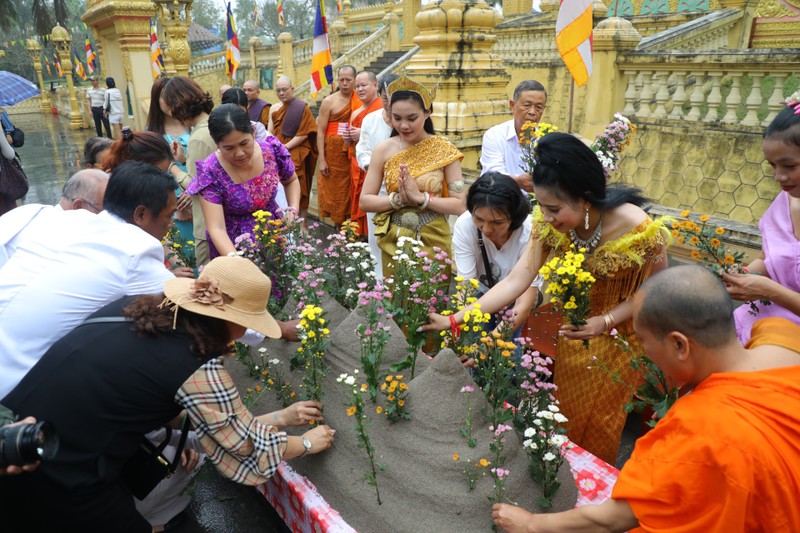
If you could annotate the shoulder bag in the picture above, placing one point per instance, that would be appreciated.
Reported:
(13, 181)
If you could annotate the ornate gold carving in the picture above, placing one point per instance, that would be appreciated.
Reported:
(775, 8)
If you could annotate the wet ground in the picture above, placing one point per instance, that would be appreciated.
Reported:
(51, 154)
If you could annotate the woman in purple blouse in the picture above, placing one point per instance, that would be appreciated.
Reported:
(240, 178)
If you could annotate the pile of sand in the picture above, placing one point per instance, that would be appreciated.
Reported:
(422, 487)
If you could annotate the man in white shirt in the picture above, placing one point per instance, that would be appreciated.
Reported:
(84, 190)
(501, 151)
(68, 264)
(375, 128)
(96, 97)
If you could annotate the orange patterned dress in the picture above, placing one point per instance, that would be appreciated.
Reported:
(591, 401)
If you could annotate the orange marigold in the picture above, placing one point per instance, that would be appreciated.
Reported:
(704, 218)
(351, 410)
(729, 260)
(715, 242)
(695, 254)
(719, 231)
(694, 240)
(685, 213)
(456, 457)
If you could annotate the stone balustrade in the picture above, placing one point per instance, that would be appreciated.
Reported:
(351, 39)
(648, 25)
(370, 17)
(737, 87)
(207, 63)
(527, 41)
(302, 51)
(31, 105)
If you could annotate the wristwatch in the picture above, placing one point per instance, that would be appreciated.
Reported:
(307, 446)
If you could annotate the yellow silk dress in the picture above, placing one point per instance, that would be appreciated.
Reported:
(426, 161)
(591, 401)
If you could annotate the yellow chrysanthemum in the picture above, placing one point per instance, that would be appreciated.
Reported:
(351, 410)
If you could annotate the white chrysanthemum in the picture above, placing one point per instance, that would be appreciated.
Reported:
(558, 417)
(549, 456)
(558, 440)
(530, 432)
(350, 380)
(547, 415)
(553, 408)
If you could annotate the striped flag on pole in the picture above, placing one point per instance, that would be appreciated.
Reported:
(232, 55)
(57, 63)
(321, 64)
(281, 20)
(91, 57)
(156, 55)
(255, 15)
(574, 38)
(79, 70)
(338, 6)
(47, 64)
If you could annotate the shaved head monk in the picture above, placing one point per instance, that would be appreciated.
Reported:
(333, 183)
(726, 457)
(291, 121)
(257, 109)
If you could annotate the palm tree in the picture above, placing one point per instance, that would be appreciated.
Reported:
(42, 15)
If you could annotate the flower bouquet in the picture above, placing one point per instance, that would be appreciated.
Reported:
(179, 248)
(708, 247)
(569, 285)
(608, 145)
(530, 133)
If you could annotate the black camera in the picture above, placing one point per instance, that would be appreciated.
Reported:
(23, 444)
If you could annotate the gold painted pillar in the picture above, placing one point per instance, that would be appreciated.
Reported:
(606, 87)
(35, 50)
(175, 17)
(122, 32)
(411, 9)
(456, 39)
(62, 41)
(286, 65)
(255, 72)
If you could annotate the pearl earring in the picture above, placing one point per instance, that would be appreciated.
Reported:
(586, 220)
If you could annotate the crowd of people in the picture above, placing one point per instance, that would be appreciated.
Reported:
(101, 337)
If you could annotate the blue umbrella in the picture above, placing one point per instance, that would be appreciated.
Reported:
(15, 89)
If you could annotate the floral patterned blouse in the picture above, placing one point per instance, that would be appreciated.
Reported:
(240, 200)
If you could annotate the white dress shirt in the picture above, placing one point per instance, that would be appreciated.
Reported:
(96, 97)
(501, 151)
(468, 257)
(14, 222)
(65, 266)
(373, 130)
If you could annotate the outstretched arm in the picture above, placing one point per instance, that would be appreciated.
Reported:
(610, 516)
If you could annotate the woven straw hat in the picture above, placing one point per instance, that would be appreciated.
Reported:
(229, 288)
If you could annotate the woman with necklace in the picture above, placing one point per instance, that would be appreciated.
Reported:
(239, 178)
(421, 172)
(624, 247)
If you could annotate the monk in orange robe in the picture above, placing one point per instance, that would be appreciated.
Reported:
(291, 121)
(726, 457)
(366, 87)
(333, 123)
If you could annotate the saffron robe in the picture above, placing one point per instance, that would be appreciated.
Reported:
(356, 174)
(304, 155)
(258, 111)
(333, 190)
(726, 457)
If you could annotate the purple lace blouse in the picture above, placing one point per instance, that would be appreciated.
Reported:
(240, 200)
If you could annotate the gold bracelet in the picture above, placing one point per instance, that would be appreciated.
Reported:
(608, 318)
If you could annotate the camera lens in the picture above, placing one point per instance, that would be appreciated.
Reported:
(27, 443)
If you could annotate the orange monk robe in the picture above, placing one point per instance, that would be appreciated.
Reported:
(726, 457)
(305, 154)
(333, 190)
(358, 175)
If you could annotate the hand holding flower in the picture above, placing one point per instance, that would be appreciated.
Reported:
(594, 327)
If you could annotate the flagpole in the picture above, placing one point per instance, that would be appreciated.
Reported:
(571, 101)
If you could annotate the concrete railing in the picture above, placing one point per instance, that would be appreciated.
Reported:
(370, 17)
(709, 32)
(736, 87)
(32, 105)
(207, 63)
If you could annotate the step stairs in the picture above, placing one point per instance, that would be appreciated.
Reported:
(384, 61)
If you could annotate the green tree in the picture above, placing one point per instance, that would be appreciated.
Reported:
(245, 21)
(298, 16)
(208, 14)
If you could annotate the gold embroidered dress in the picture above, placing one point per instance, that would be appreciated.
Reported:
(426, 161)
(591, 401)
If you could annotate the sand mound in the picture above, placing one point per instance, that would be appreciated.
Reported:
(422, 487)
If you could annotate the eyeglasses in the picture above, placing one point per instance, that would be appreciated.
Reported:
(86, 202)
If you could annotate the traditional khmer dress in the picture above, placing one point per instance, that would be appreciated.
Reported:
(591, 401)
(426, 161)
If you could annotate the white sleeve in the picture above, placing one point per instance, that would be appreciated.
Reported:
(147, 272)
(7, 149)
(492, 152)
(464, 237)
(364, 148)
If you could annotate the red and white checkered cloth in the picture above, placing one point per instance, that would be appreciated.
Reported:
(299, 504)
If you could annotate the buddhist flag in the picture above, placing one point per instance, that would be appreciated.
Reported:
(574, 38)
(57, 63)
(321, 64)
(91, 57)
(338, 6)
(47, 64)
(232, 56)
(156, 56)
(255, 15)
(79, 70)
(281, 20)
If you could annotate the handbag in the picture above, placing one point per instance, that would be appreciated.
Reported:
(148, 466)
(13, 181)
(17, 138)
